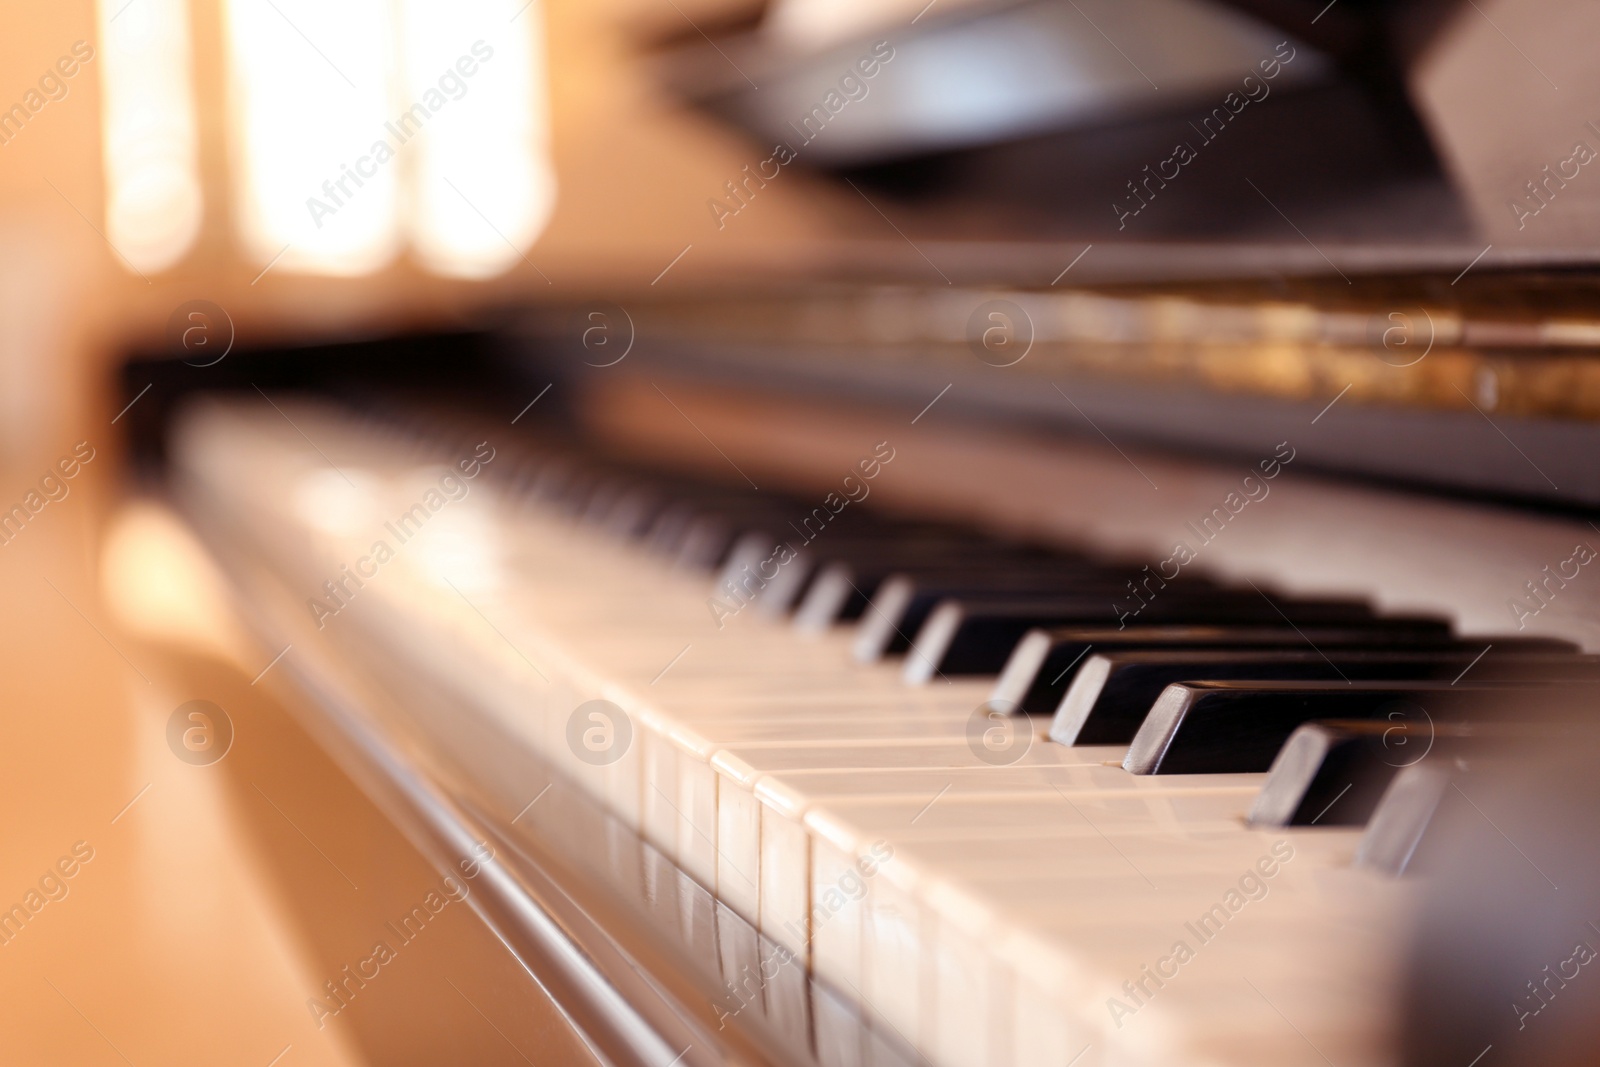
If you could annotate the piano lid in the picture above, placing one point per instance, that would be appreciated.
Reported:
(1315, 134)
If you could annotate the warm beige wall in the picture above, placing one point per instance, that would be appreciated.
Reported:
(52, 263)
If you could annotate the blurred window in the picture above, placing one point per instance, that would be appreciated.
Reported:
(354, 128)
(312, 85)
(484, 187)
(153, 197)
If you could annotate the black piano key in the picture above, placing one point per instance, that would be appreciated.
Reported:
(694, 526)
(711, 534)
(1410, 805)
(1335, 772)
(1236, 727)
(789, 585)
(586, 491)
(704, 542)
(842, 589)
(901, 608)
(882, 545)
(1112, 692)
(756, 563)
(557, 482)
(602, 497)
(886, 548)
(791, 590)
(752, 556)
(909, 594)
(697, 526)
(973, 636)
(832, 596)
(622, 507)
(849, 535)
(845, 573)
(631, 514)
(1045, 661)
(902, 603)
(1544, 742)
(633, 503)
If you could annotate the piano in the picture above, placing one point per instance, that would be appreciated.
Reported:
(909, 735)
(1135, 605)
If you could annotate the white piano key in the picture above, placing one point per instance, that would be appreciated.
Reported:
(899, 970)
(785, 898)
(739, 845)
(739, 958)
(834, 920)
(786, 989)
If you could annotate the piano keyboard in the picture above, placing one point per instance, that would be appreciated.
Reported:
(865, 759)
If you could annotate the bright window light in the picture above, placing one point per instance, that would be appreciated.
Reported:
(153, 197)
(476, 133)
(311, 90)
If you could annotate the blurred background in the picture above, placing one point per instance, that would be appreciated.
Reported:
(183, 178)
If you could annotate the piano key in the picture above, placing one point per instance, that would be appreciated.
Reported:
(788, 586)
(1048, 814)
(609, 489)
(894, 966)
(706, 541)
(681, 794)
(1334, 773)
(1198, 727)
(836, 594)
(739, 954)
(876, 935)
(665, 533)
(785, 994)
(759, 814)
(631, 514)
(846, 578)
(1112, 692)
(740, 810)
(1401, 819)
(838, 561)
(742, 570)
(977, 636)
(891, 544)
(902, 605)
(1037, 675)
(912, 796)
